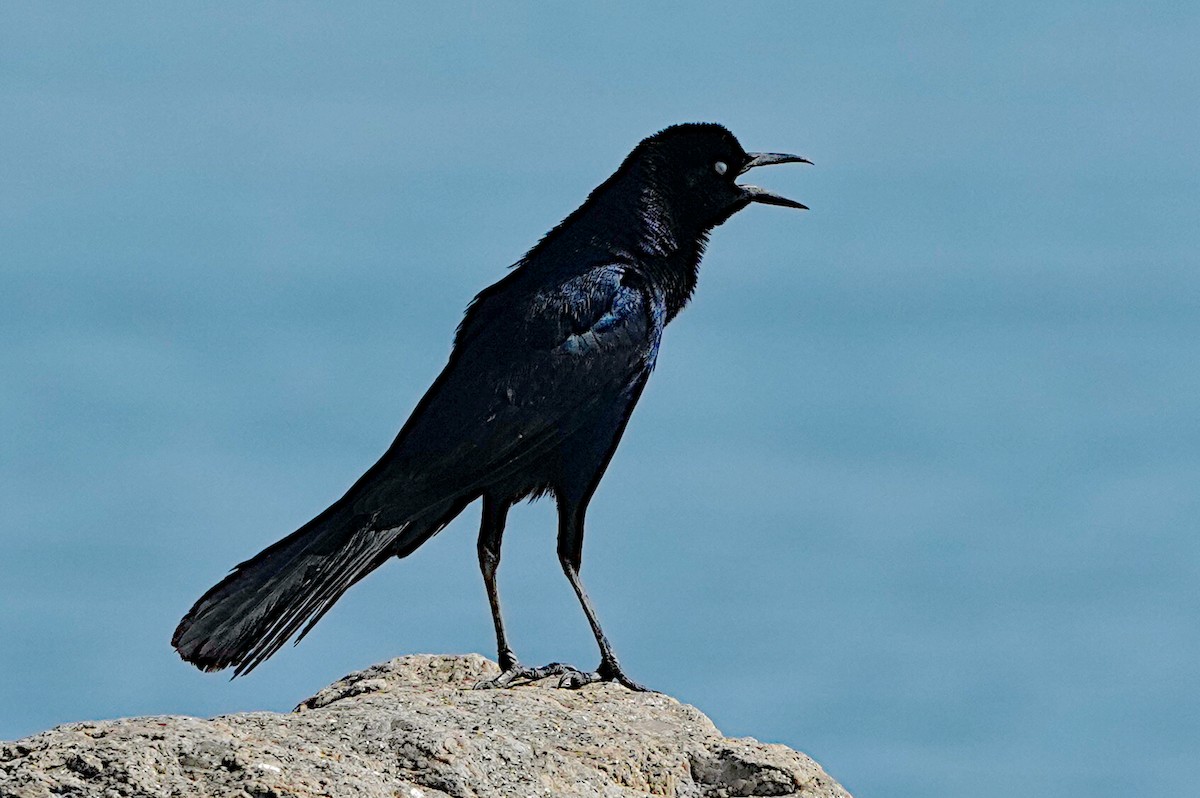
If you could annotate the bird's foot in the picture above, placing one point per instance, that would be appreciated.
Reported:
(609, 671)
(515, 673)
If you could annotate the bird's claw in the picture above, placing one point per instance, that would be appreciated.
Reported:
(609, 671)
(517, 674)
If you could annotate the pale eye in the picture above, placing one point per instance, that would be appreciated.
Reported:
(721, 167)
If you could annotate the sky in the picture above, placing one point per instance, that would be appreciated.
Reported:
(913, 489)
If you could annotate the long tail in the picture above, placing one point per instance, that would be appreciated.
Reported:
(251, 613)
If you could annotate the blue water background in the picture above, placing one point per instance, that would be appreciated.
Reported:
(915, 488)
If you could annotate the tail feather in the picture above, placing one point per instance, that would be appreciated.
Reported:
(250, 614)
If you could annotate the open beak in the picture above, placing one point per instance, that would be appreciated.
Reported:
(757, 194)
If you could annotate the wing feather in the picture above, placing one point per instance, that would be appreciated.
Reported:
(512, 392)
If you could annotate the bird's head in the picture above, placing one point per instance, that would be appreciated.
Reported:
(696, 166)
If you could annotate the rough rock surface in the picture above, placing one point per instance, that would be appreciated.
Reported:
(412, 727)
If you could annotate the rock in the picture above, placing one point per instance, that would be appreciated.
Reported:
(412, 727)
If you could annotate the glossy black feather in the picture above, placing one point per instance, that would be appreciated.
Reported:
(546, 368)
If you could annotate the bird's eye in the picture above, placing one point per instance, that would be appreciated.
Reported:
(721, 167)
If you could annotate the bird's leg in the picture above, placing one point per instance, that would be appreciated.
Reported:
(491, 531)
(570, 555)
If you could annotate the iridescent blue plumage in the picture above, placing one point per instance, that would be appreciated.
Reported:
(547, 366)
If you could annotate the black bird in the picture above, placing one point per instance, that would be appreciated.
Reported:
(546, 368)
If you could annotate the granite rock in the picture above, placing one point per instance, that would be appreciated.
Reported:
(413, 727)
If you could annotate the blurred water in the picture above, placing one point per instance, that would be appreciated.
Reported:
(913, 489)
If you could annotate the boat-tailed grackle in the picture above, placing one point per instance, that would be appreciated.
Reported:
(546, 368)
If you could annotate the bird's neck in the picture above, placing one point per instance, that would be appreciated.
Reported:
(675, 273)
(628, 220)
(635, 226)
